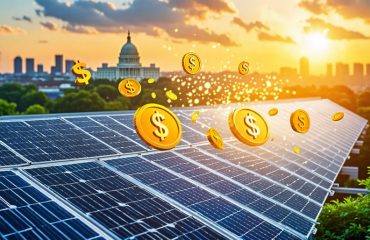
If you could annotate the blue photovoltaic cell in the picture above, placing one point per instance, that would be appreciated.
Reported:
(25, 213)
(8, 158)
(118, 204)
(117, 141)
(226, 214)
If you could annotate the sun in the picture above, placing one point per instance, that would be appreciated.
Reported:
(317, 43)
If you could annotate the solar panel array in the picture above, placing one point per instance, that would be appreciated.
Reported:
(89, 176)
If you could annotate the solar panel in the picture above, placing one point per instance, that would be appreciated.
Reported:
(113, 181)
(26, 213)
(119, 205)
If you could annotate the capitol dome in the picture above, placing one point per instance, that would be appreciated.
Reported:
(129, 54)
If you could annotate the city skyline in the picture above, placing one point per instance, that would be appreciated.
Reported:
(269, 35)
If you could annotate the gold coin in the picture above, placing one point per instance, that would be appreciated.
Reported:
(273, 111)
(170, 95)
(296, 150)
(151, 80)
(129, 87)
(300, 121)
(158, 126)
(248, 126)
(337, 116)
(215, 138)
(154, 95)
(243, 67)
(194, 116)
(191, 63)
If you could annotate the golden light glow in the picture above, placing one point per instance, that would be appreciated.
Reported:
(317, 43)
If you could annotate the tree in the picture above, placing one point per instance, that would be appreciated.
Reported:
(35, 109)
(107, 92)
(32, 98)
(349, 219)
(82, 101)
(12, 92)
(364, 99)
(7, 108)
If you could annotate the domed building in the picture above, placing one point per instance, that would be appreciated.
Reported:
(128, 65)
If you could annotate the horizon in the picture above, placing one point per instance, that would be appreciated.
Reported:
(324, 32)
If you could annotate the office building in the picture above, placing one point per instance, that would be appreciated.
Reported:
(304, 67)
(58, 64)
(358, 70)
(341, 70)
(368, 69)
(69, 64)
(18, 65)
(40, 68)
(30, 66)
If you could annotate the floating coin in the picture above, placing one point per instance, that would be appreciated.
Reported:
(191, 63)
(215, 138)
(300, 121)
(194, 116)
(171, 95)
(151, 80)
(83, 75)
(158, 126)
(129, 87)
(154, 95)
(337, 116)
(249, 126)
(296, 150)
(273, 111)
(243, 67)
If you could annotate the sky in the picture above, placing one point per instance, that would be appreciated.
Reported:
(266, 33)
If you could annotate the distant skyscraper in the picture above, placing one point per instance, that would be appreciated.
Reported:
(368, 69)
(304, 67)
(59, 64)
(69, 65)
(358, 70)
(18, 65)
(40, 68)
(341, 70)
(329, 70)
(30, 66)
(52, 70)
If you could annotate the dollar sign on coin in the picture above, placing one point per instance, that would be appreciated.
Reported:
(300, 121)
(191, 63)
(83, 75)
(129, 87)
(253, 129)
(243, 67)
(162, 131)
(158, 126)
(248, 126)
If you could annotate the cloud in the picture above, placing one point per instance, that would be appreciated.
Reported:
(7, 30)
(50, 26)
(249, 26)
(346, 8)
(23, 18)
(263, 36)
(148, 16)
(333, 32)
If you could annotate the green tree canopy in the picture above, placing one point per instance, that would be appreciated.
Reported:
(31, 98)
(107, 92)
(7, 108)
(13, 92)
(82, 101)
(35, 109)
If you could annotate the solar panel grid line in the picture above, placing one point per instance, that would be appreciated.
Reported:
(74, 125)
(96, 226)
(276, 165)
(216, 193)
(243, 186)
(26, 161)
(260, 175)
(123, 125)
(177, 205)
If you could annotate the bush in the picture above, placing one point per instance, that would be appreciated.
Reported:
(35, 109)
(7, 108)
